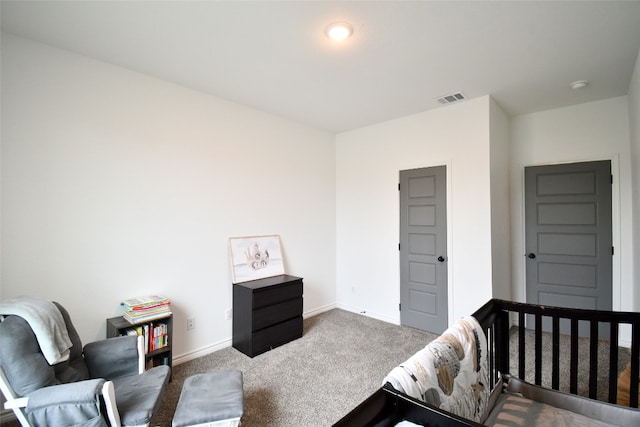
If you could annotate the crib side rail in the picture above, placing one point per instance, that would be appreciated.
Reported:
(496, 318)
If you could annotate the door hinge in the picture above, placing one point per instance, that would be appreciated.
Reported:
(398, 186)
(612, 250)
(612, 179)
(398, 246)
(400, 307)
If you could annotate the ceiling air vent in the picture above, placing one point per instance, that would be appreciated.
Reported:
(448, 99)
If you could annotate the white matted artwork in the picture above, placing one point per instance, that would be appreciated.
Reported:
(255, 257)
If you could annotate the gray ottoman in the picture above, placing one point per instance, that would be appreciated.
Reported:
(212, 399)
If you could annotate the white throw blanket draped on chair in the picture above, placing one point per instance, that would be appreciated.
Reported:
(47, 324)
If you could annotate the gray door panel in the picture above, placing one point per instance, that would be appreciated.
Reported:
(423, 241)
(569, 235)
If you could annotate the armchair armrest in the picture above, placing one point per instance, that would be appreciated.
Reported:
(17, 403)
(114, 357)
(70, 404)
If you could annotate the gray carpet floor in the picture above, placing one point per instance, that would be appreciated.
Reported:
(313, 381)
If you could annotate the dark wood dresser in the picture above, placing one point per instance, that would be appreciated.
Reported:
(266, 313)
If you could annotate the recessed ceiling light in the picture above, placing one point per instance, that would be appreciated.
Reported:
(339, 31)
(578, 84)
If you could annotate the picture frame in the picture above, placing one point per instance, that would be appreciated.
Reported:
(255, 257)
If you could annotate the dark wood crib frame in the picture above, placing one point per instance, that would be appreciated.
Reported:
(497, 317)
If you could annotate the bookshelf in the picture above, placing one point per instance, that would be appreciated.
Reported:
(158, 335)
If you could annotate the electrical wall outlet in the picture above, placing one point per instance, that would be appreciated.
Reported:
(191, 323)
(228, 313)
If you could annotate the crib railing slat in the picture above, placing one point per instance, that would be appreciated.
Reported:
(593, 360)
(555, 356)
(573, 370)
(635, 364)
(501, 337)
(613, 362)
(538, 350)
(521, 346)
(491, 342)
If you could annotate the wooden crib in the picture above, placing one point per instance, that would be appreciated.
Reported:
(574, 333)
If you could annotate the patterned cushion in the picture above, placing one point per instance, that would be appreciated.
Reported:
(451, 372)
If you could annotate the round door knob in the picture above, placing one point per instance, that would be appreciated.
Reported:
(532, 255)
(441, 258)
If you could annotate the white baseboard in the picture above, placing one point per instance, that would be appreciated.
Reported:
(372, 314)
(201, 352)
(318, 310)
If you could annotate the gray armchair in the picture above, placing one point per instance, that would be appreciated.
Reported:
(104, 384)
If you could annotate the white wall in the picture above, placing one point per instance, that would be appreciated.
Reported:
(500, 203)
(585, 132)
(368, 162)
(634, 127)
(115, 184)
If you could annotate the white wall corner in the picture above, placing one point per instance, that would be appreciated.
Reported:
(634, 136)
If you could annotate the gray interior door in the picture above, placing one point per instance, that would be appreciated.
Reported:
(568, 235)
(423, 249)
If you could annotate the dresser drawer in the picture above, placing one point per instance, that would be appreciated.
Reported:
(266, 313)
(272, 314)
(276, 294)
(276, 335)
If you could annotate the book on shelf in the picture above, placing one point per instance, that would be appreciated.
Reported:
(146, 318)
(156, 335)
(159, 336)
(147, 301)
(149, 306)
(146, 308)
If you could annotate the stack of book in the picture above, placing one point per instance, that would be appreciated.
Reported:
(156, 337)
(146, 308)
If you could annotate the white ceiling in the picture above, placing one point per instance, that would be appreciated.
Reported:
(273, 55)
